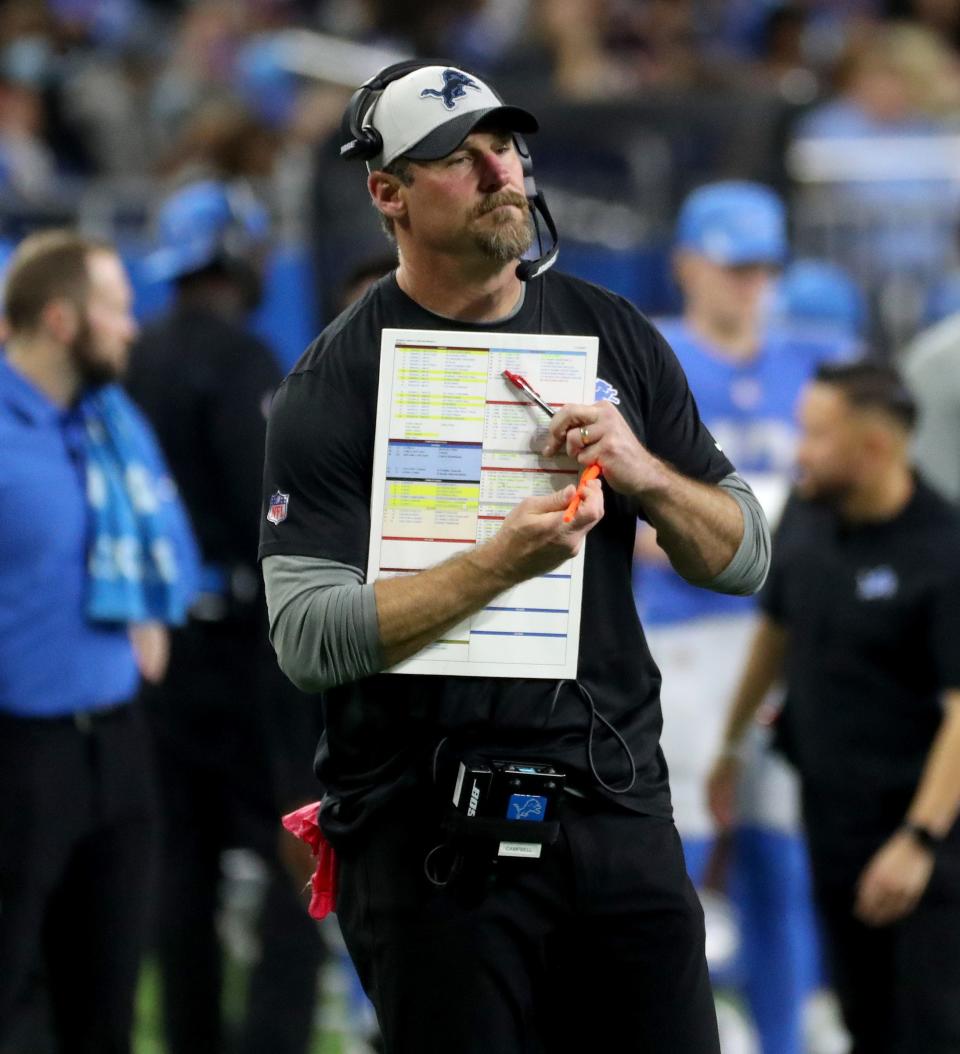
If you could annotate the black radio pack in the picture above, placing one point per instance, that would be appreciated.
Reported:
(509, 792)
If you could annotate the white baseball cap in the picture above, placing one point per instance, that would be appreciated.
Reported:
(428, 113)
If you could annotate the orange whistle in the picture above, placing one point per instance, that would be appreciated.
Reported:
(589, 473)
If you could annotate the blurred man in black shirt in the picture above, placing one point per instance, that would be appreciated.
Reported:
(228, 731)
(862, 619)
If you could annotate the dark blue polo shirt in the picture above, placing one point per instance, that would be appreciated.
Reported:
(53, 661)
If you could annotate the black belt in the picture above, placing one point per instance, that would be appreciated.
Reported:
(83, 720)
(88, 720)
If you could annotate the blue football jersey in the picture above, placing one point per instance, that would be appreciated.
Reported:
(749, 408)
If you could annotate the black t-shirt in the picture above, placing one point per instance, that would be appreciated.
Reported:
(873, 617)
(320, 452)
(204, 383)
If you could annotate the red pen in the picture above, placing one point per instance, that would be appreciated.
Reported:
(523, 385)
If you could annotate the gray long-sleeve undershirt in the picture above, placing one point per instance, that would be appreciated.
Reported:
(747, 571)
(323, 617)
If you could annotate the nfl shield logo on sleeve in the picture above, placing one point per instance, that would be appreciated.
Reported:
(278, 507)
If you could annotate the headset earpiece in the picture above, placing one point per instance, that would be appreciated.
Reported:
(360, 143)
(526, 162)
(365, 143)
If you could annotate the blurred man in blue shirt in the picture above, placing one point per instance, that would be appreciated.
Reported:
(95, 555)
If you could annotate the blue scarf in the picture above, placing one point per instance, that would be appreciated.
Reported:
(143, 560)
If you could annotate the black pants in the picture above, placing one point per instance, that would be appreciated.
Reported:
(279, 1010)
(898, 985)
(76, 838)
(599, 945)
(221, 763)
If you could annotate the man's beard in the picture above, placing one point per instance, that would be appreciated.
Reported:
(510, 239)
(94, 367)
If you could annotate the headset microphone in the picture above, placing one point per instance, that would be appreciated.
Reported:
(527, 270)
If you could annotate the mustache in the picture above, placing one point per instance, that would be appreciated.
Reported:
(502, 197)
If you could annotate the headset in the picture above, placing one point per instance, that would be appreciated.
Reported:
(364, 143)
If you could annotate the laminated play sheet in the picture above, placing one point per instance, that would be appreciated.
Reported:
(456, 449)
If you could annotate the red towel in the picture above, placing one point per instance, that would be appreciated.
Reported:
(302, 823)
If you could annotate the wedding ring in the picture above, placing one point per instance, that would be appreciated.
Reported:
(585, 436)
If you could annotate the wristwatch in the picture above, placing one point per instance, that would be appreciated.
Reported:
(922, 835)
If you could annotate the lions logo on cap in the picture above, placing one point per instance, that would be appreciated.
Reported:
(454, 83)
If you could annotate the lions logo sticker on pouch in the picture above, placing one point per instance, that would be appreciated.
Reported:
(279, 503)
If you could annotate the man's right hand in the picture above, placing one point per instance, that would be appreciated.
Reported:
(722, 790)
(534, 539)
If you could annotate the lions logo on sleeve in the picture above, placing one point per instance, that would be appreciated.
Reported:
(605, 391)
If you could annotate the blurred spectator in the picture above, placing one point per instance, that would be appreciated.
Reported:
(745, 375)
(224, 141)
(658, 40)
(880, 195)
(84, 596)
(608, 49)
(290, 105)
(232, 736)
(574, 32)
(942, 16)
(823, 297)
(106, 103)
(81, 62)
(897, 79)
(476, 36)
(861, 614)
(784, 61)
(107, 24)
(425, 27)
(268, 89)
(201, 63)
(109, 53)
(27, 165)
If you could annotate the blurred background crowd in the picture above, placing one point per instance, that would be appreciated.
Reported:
(848, 109)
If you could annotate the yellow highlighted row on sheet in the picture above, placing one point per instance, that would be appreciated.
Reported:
(466, 493)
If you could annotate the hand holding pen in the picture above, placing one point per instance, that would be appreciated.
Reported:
(597, 433)
(591, 472)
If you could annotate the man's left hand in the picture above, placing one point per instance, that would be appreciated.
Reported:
(894, 881)
(597, 433)
(151, 646)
